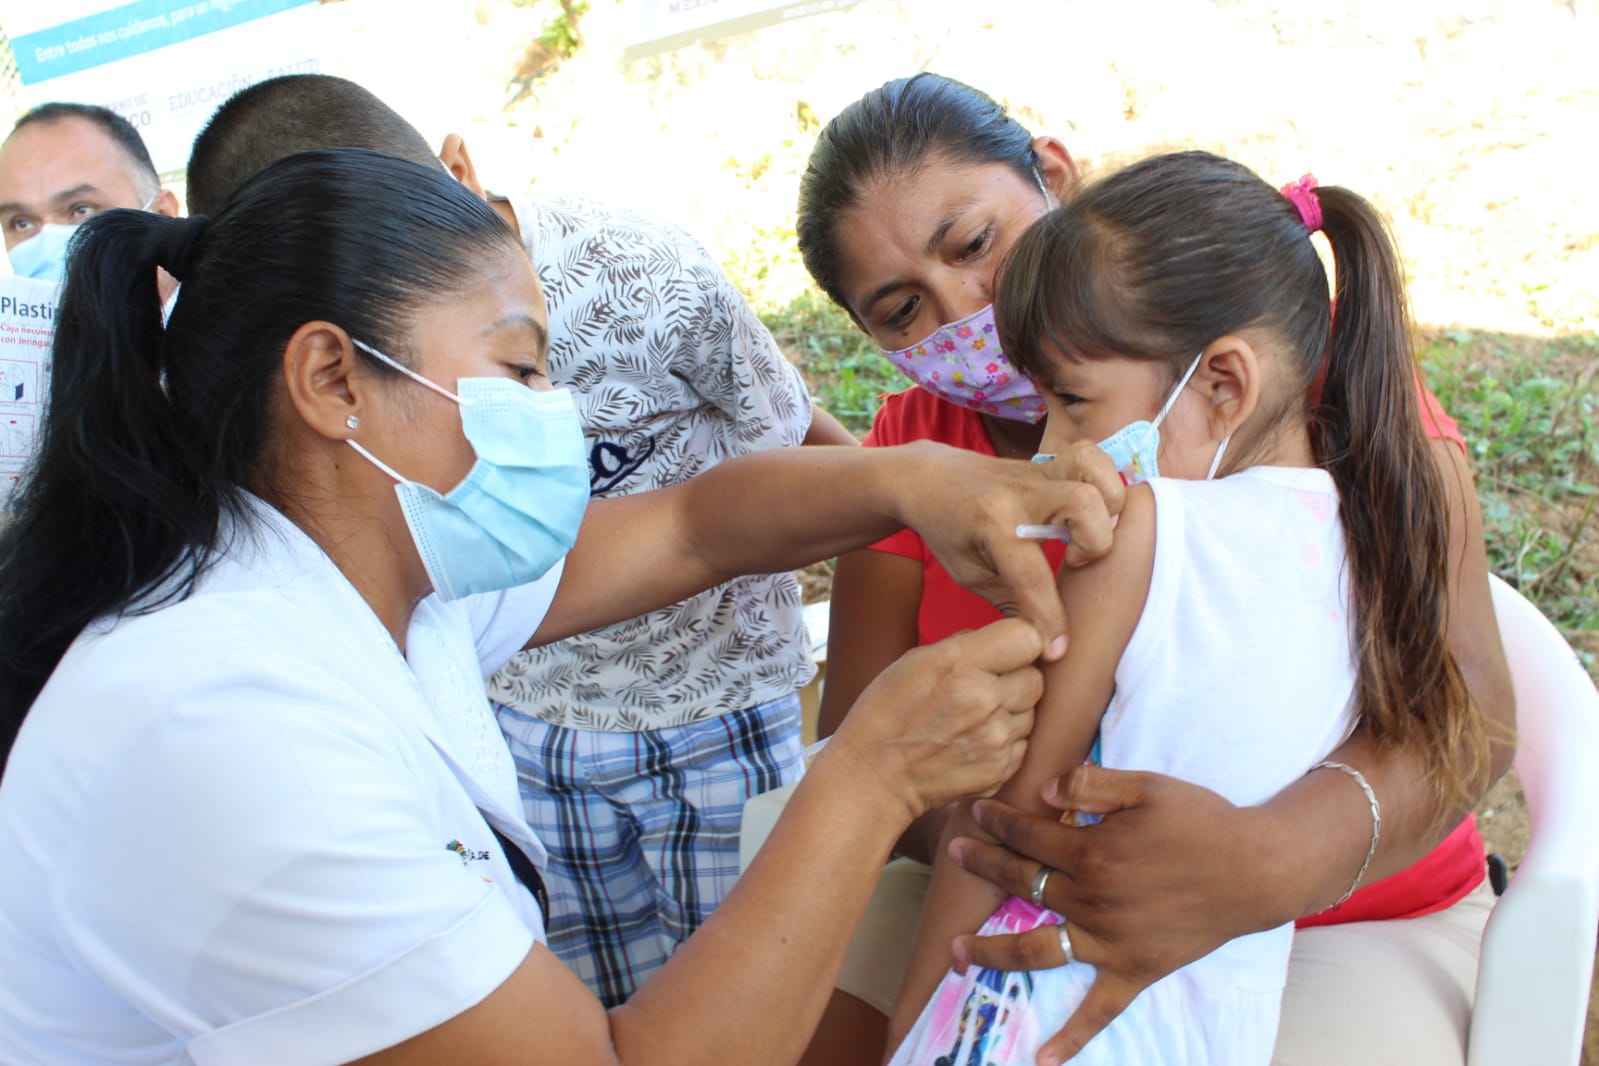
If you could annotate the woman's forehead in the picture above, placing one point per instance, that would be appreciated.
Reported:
(905, 218)
(939, 185)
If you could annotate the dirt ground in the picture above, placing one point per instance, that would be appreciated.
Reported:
(1470, 122)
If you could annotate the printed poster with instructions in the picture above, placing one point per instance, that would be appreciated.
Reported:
(164, 65)
(27, 327)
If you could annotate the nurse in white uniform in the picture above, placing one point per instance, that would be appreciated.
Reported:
(255, 808)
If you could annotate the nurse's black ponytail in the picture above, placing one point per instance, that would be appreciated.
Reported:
(152, 434)
(114, 496)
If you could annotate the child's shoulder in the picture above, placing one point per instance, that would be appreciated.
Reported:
(1105, 599)
(1131, 555)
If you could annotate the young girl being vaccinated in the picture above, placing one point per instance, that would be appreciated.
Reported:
(1296, 537)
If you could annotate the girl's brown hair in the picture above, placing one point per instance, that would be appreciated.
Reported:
(1163, 257)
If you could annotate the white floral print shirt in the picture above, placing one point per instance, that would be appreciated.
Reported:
(673, 373)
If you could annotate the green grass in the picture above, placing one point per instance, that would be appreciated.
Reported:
(843, 367)
(1529, 410)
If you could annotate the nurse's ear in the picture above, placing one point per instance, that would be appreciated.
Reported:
(322, 373)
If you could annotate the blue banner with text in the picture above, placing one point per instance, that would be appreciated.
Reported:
(130, 30)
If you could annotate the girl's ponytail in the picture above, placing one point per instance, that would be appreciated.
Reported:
(1366, 430)
(113, 504)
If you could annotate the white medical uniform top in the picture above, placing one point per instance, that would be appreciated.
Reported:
(244, 829)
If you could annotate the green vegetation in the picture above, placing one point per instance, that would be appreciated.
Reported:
(843, 367)
(560, 34)
(1529, 408)
(559, 39)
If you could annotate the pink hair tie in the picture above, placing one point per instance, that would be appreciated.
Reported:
(1302, 194)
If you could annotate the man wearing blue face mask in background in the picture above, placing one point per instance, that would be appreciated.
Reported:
(64, 163)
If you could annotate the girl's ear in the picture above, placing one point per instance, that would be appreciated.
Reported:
(1229, 377)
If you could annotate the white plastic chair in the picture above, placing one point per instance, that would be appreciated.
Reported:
(1538, 949)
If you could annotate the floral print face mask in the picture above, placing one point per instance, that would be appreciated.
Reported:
(962, 363)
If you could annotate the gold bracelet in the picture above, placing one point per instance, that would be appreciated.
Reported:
(1376, 821)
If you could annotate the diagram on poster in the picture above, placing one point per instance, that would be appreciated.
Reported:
(27, 328)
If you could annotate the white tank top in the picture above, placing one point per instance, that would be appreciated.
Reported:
(1238, 677)
(1240, 673)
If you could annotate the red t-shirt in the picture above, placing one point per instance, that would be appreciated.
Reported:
(1443, 876)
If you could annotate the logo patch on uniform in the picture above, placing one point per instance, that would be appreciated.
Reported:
(467, 854)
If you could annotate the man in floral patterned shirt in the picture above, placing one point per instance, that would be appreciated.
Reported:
(636, 745)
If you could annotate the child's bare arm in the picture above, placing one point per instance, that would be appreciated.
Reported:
(1105, 601)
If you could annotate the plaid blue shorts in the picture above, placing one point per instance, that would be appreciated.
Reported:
(642, 829)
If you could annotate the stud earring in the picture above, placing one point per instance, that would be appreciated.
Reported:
(353, 422)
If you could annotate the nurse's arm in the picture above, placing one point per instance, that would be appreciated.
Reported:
(748, 986)
(751, 983)
(789, 507)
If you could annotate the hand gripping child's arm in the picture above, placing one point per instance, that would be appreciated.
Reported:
(1104, 602)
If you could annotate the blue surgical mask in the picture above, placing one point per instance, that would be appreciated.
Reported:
(1134, 447)
(518, 510)
(44, 255)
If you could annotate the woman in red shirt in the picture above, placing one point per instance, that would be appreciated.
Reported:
(911, 201)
